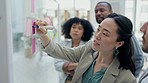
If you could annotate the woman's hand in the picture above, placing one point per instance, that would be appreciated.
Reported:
(72, 66)
(69, 68)
(41, 31)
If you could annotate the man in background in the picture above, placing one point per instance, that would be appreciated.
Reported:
(102, 10)
(144, 29)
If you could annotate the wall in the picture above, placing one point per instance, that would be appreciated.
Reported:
(5, 43)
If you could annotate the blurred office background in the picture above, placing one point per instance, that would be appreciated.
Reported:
(22, 59)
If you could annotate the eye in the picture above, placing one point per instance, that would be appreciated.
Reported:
(102, 10)
(96, 11)
(80, 28)
(105, 34)
(73, 27)
(98, 30)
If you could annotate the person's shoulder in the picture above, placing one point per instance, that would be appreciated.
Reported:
(144, 80)
(65, 42)
(87, 45)
(126, 74)
(89, 42)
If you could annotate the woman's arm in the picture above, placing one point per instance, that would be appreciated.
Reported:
(42, 32)
(57, 51)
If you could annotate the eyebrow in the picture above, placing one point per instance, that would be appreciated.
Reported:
(104, 28)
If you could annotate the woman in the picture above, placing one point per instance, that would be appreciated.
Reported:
(107, 59)
(77, 32)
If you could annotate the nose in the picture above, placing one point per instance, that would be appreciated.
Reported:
(98, 35)
(76, 29)
(142, 29)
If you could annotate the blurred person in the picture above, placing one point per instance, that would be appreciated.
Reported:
(77, 32)
(144, 29)
(102, 10)
(106, 59)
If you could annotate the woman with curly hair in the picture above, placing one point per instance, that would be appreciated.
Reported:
(76, 32)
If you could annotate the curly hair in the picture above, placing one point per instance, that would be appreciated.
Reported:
(88, 29)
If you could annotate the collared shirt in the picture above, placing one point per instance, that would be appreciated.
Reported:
(90, 77)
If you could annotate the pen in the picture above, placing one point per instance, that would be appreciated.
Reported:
(46, 27)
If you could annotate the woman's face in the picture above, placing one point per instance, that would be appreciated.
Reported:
(105, 38)
(76, 31)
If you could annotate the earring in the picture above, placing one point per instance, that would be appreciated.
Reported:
(116, 52)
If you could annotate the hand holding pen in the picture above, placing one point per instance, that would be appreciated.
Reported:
(41, 30)
(40, 27)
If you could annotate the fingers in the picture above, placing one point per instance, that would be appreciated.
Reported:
(40, 23)
(72, 66)
(41, 31)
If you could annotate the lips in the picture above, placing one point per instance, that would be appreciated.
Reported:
(95, 42)
(75, 34)
(100, 17)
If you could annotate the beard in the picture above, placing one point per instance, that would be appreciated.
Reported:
(99, 20)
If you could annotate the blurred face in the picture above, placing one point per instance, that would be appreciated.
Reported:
(105, 39)
(76, 31)
(101, 12)
(144, 29)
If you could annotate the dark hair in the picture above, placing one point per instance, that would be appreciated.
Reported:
(125, 33)
(109, 5)
(88, 29)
